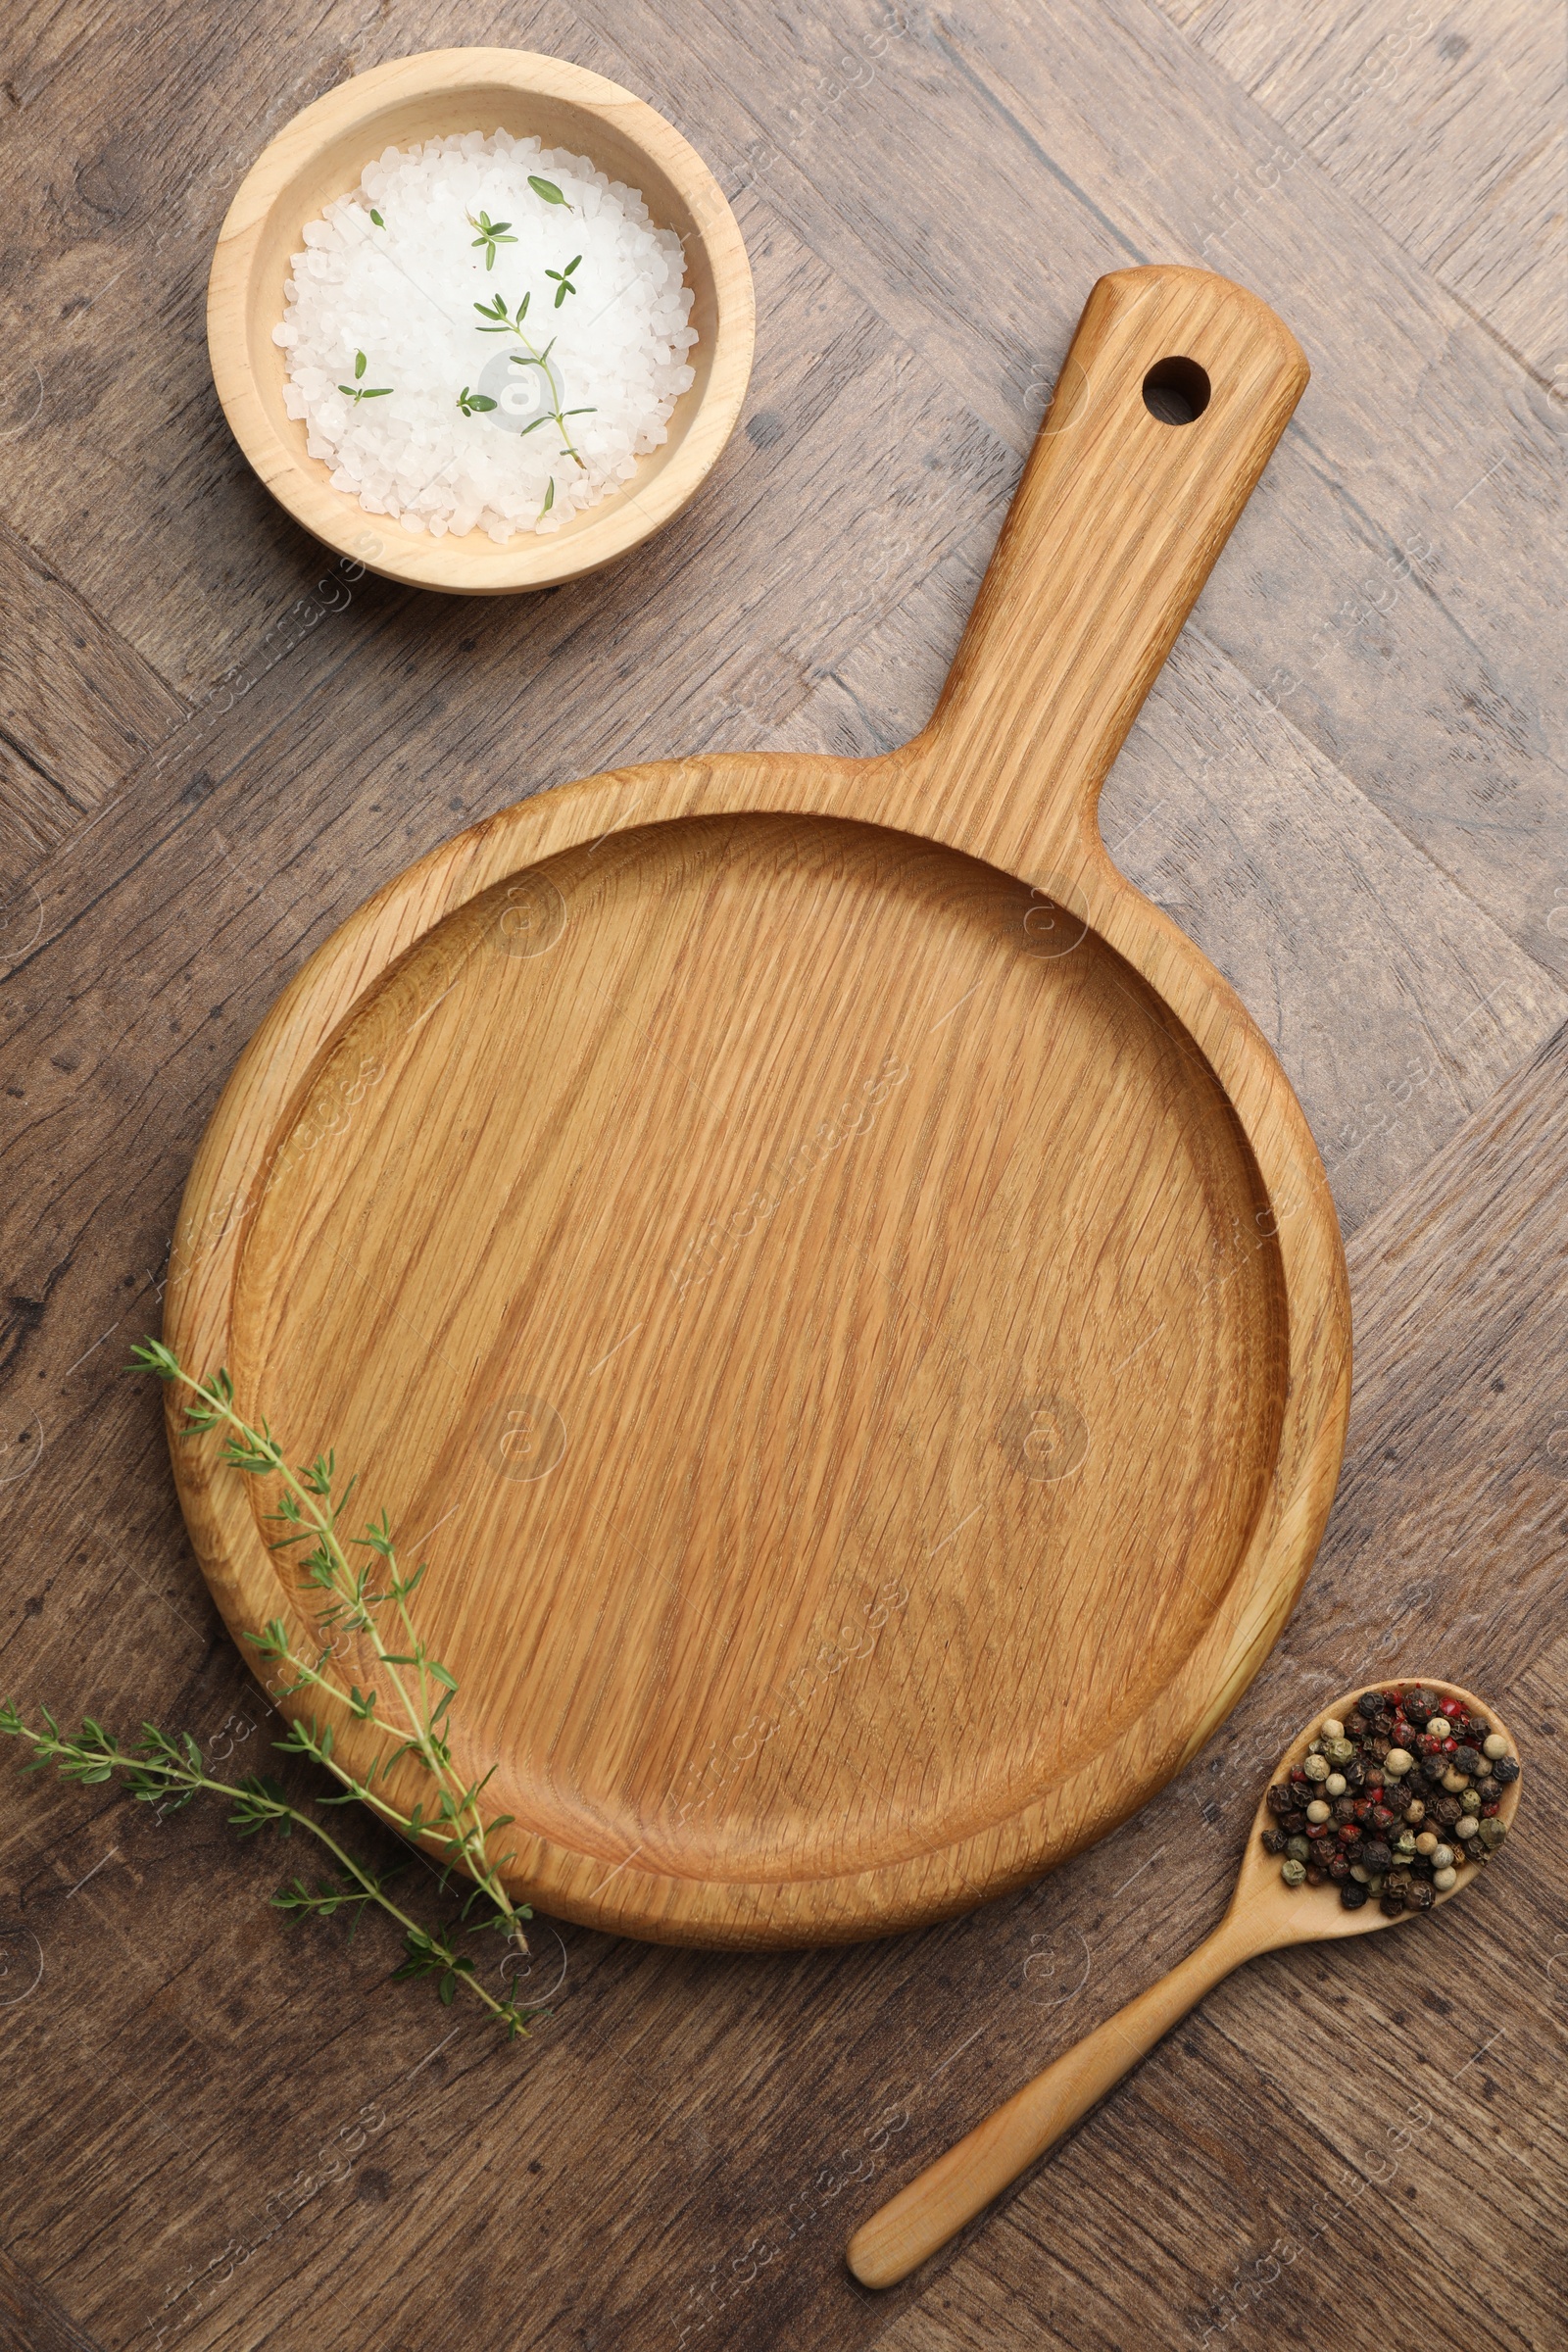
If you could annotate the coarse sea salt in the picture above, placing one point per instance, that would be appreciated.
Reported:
(450, 420)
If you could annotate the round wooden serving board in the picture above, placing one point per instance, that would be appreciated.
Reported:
(835, 1285)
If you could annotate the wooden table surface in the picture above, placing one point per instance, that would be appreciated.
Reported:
(1347, 785)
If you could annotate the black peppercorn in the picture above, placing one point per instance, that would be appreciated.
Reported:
(1432, 1769)
(1353, 1895)
(1339, 1865)
(1354, 1773)
(1345, 1808)
(1470, 1760)
(1281, 1798)
(1504, 1769)
(1445, 1811)
(1420, 1896)
(1390, 1905)
(1274, 1841)
(1376, 1856)
(1369, 1704)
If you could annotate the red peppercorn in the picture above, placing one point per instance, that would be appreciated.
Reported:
(1452, 1707)
(1451, 1747)
(1349, 1831)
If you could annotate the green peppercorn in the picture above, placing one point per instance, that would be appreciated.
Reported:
(1300, 1850)
(1291, 1871)
(1493, 1833)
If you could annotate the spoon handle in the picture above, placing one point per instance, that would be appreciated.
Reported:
(939, 2201)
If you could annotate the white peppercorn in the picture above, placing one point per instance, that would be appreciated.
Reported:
(1317, 1810)
(1443, 1880)
(1494, 1746)
(1331, 1728)
(1316, 1768)
(1397, 1762)
(1336, 1785)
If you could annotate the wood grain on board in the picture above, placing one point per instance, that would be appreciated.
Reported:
(1346, 786)
(1032, 1290)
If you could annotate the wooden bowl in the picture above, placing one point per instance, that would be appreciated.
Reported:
(321, 154)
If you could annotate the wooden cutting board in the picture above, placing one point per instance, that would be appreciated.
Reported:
(835, 1285)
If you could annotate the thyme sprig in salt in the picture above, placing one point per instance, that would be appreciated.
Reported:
(497, 323)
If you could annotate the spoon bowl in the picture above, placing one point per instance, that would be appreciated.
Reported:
(1264, 1915)
(1278, 1914)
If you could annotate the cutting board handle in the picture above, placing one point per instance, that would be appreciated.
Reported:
(1115, 526)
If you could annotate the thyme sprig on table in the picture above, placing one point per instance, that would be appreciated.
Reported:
(351, 1601)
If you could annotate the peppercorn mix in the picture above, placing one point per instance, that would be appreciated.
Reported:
(1393, 1803)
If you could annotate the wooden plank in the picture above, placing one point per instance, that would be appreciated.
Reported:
(32, 2320)
(704, 2129)
(1422, 460)
(77, 706)
(1447, 126)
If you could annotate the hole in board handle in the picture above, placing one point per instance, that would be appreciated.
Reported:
(1176, 391)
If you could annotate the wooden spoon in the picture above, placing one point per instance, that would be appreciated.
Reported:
(1264, 1914)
